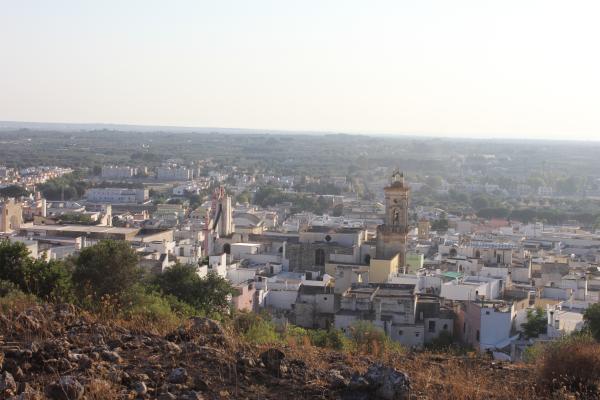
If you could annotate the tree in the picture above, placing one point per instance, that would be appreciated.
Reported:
(109, 268)
(208, 295)
(13, 191)
(338, 210)
(50, 280)
(591, 316)
(45, 279)
(13, 262)
(440, 225)
(537, 323)
(244, 197)
(478, 202)
(493, 212)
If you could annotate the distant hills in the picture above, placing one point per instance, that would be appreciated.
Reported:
(77, 127)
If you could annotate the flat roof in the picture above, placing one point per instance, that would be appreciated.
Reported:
(80, 228)
(452, 274)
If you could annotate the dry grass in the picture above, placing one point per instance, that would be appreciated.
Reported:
(99, 389)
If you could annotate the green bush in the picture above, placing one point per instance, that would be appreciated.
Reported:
(12, 298)
(49, 280)
(150, 306)
(106, 270)
(332, 339)
(592, 320)
(7, 288)
(209, 295)
(262, 332)
(534, 353)
(257, 328)
(367, 338)
(297, 334)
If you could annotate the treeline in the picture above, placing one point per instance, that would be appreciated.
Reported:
(73, 186)
(318, 188)
(67, 187)
(270, 196)
(547, 215)
(106, 278)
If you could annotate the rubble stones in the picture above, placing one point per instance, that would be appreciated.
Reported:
(273, 360)
(66, 388)
(8, 386)
(379, 382)
(111, 356)
(140, 388)
(178, 375)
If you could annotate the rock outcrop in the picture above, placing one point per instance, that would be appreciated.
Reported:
(59, 353)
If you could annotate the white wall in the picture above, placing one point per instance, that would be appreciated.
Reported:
(452, 291)
(495, 327)
(280, 299)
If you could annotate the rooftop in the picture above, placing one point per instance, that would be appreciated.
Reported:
(80, 228)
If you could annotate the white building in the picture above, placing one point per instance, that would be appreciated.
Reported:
(116, 195)
(471, 288)
(116, 172)
(565, 317)
(173, 174)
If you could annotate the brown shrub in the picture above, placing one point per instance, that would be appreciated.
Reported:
(571, 364)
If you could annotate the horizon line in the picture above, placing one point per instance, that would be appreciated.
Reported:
(12, 124)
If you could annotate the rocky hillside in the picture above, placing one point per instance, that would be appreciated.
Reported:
(57, 352)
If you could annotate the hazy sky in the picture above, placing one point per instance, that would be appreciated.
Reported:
(498, 68)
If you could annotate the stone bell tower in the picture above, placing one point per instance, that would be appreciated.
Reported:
(392, 235)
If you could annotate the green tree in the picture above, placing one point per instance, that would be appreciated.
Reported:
(338, 210)
(478, 202)
(13, 191)
(14, 258)
(109, 268)
(493, 212)
(537, 323)
(440, 225)
(591, 316)
(50, 280)
(244, 197)
(45, 279)
(208, 295)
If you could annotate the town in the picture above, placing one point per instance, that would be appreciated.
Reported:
(328, 251)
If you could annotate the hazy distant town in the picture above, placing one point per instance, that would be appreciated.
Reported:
(489, 244)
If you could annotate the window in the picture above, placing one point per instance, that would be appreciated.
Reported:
(368, 259)
(417, 334)
(487, 313)
(464, 327)
(320, 257)
(431, 326)
(445, 327)
(478, 335)
(227, 248)
(324, 298)
(400, 333)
